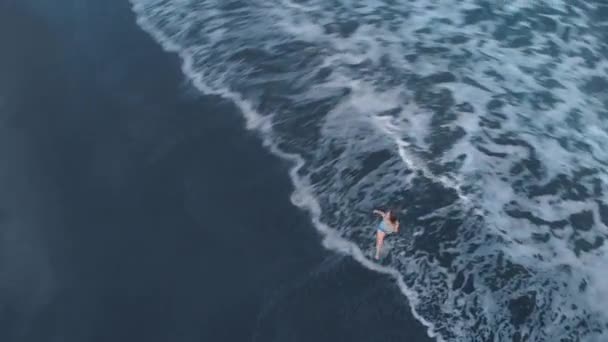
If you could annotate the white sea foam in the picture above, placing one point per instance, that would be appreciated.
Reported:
(301, 197)
(505, 174)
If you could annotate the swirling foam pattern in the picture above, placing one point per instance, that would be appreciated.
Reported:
(485, 121)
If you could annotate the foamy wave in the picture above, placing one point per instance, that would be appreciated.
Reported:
(301, 197)
(485, 121)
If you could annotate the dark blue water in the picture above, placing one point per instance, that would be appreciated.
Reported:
(134, 208)
(483, 122)
(173, 169)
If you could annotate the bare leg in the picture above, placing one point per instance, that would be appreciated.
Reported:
(379, 241)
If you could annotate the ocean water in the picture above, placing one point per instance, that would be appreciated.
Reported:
(117, 178)
(483, 122)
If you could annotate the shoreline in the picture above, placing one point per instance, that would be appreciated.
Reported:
(145, 175)
(305, 202)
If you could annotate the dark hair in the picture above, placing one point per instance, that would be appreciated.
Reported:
(392, 216)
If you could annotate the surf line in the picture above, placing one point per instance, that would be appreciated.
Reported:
(301, 197)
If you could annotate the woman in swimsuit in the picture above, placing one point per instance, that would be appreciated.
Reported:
(388, 225)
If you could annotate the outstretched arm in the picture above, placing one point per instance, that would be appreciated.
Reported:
(378, 212)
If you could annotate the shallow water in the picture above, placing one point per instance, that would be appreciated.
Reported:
(484, 122)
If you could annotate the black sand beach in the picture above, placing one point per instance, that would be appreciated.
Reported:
(135, 209)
